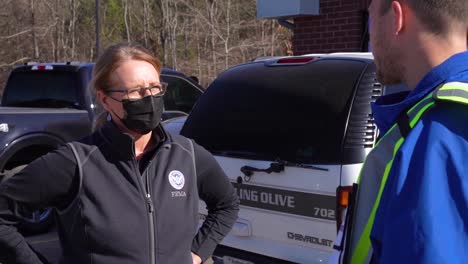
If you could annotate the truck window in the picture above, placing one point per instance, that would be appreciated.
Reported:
(295, 113)
(181, 95)
(49, 89)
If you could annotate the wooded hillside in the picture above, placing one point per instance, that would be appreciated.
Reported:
(197, 37)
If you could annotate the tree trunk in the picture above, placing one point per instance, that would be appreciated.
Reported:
(33, 30)
(228, 31)
(127, 28)
(145, 22)
(273, 37)
(174, 43)
(163, 33)
(264, 44)
(211, 11)
(73, 28)
(55, 41)
(197, 36)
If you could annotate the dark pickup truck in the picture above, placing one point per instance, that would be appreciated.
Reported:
(45, 105)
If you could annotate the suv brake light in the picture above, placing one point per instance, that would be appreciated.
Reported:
(294, 60)
(42, 67)
(343, 194)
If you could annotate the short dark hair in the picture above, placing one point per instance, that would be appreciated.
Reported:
(436, 15)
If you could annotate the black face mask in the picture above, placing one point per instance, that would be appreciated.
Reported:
(143, 115)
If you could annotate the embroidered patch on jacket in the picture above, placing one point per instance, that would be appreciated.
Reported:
(176, 179)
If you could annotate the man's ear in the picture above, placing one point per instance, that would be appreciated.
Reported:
(399, 18)
(103, 99)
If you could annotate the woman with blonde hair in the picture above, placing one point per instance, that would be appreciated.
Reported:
(127, 193)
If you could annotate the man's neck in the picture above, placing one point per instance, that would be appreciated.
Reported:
(427, 52)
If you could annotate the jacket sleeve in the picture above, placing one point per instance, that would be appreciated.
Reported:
(46, 182)
(217, 192)
(425, 213)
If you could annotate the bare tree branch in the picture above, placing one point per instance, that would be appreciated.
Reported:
(15, 62)
(16, 34)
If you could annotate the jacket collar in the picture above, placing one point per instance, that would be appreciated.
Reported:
(388, 108)
(124, 142)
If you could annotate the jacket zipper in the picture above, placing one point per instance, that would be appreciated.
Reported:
(150, 204)
(150, 208)
(151, 219)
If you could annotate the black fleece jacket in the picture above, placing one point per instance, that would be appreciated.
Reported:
(120, 210)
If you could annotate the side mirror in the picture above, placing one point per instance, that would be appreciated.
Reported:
(195, 79)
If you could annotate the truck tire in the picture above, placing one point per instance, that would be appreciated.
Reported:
(38, 221)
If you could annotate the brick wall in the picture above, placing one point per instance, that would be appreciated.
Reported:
(339, 27)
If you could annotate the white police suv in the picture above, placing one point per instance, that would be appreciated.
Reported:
(291, 133)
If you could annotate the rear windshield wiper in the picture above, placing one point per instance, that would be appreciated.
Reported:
(275, 167)
(300, 165)
(243, 154)
(266, 157)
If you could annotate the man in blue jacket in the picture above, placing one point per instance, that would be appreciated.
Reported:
(411, 203)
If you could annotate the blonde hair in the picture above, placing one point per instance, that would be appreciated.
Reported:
(109, 61)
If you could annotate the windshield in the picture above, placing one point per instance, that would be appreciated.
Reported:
(50, 89)
(293, 113)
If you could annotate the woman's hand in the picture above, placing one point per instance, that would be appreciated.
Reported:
(196, 259)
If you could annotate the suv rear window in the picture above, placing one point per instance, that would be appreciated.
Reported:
(50, 89)
(294, 113)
